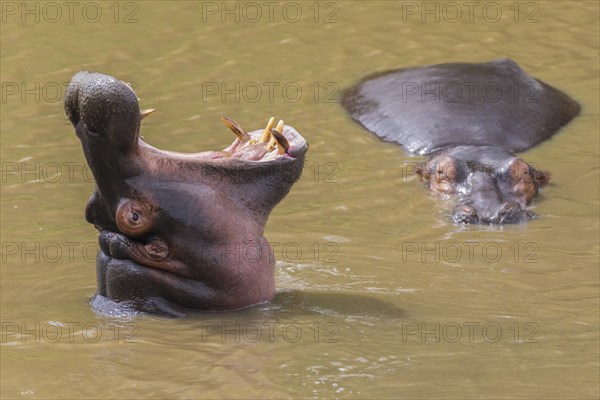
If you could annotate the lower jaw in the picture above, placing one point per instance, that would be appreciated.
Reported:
(127, 287)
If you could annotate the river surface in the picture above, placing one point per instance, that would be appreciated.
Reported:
(379, 294)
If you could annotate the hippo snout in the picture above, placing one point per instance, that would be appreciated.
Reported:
(507, 213)
(104, 108)
(512, 213)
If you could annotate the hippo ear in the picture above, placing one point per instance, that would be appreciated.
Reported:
(542, 178)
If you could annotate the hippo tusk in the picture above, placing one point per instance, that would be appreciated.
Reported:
(282, 144)
(146, 112)
(236, 128)
(280, 126)
(279, 129)
(267, 132)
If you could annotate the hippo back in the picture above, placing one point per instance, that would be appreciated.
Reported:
(429, 108)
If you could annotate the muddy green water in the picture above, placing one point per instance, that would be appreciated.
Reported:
(379, 296)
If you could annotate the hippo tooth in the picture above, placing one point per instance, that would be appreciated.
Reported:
(279, 129)
(236, 128)
(280, 126)
(282, 144)
(266, 134)
(146, 112)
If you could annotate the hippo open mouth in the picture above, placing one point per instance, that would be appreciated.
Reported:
(179, 230)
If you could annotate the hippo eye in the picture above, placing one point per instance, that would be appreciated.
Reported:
(134, 217)
(91, 130)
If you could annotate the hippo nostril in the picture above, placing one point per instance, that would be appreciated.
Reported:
(511, 213)
(509, 208)
(465, 215)
(71, 104)
(91, 130)
(73, 115)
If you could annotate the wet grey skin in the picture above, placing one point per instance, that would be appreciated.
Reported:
(470, 119)
(178, 232)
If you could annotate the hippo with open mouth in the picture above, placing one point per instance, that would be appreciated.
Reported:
(178, 231)
(470, 119)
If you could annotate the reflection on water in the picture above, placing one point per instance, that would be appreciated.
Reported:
(379, 295)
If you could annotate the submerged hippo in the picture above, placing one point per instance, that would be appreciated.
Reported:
(469, 118)
(178, 231)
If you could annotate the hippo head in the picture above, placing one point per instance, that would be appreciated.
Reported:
(492, 186)
(445, 111)
(178, 231)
